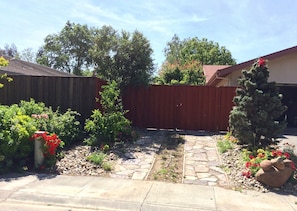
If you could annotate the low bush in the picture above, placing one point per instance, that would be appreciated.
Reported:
(65, 125)
(226, 143)
(18, 123)
(15, 130)
(111, 125)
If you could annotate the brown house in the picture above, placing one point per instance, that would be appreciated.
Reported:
(20, 67)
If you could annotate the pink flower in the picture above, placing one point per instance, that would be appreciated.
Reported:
(45, 116)
(247, 174)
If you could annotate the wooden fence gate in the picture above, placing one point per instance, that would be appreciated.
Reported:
(157, 106)
(183, 107)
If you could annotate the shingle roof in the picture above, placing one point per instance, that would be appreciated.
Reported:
(214, 80)
(20, 67)
(210, 70)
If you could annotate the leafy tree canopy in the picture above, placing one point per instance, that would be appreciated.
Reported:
(123, 57)
(194, 49)
(194, 53)
(68, 50)
(9, 50)
(3, 63)
(190, 73)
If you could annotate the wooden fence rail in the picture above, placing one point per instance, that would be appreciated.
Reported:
(77, 93)
(184, 107)
(158, 106)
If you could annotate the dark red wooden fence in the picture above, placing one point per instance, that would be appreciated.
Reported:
(182, 107)
(77, 93)
(162, 107)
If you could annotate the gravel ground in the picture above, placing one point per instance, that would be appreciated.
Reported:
(75, 163)
(234, 168)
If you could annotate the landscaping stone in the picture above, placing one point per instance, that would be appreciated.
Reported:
(226, 167)
(277, 174)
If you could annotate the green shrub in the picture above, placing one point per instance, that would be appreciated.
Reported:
(15, 130)
(106, 128)
(19, 122)
(111, 125)
(255, 118)
(224, 145)
(65, 125)
(31, 107)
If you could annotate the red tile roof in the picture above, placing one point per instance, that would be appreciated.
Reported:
(210, 70)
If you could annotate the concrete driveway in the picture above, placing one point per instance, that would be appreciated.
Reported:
(289, 136)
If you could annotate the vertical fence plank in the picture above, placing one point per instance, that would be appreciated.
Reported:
(159, 106)
(76, 93)
(183, 107)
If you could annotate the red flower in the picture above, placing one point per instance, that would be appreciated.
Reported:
(261, 62)
(251, 157)
(248, 164)
(51, 142)
(287, 155)
(279, 153)
(276, 153)
(256, 164)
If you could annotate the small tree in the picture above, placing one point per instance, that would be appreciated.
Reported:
(254, 119)
(3, 63)
(110, 125)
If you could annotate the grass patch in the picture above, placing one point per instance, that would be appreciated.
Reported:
(168, 165)
(224, 145)
(106, 166)
(98, 158)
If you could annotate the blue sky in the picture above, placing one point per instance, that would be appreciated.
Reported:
(248, 28)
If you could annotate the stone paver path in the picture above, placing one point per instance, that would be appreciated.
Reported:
(138, 158)
(201, 161)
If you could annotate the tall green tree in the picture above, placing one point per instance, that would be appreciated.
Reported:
(254, 119)
(193, 49)
(123, 57)
(68, 50)
(9, 50)
(28, 55)
(180, 54)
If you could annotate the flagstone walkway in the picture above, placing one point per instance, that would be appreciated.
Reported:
(201, 160)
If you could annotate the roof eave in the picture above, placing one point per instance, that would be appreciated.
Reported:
(228, 70)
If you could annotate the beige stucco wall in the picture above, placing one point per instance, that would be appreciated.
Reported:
(283, 70)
